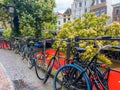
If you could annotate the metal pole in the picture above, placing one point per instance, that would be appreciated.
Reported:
(76, 44)
(77, 41)
(11, 25)
(44, 48)
(11, 11)
(68, 50)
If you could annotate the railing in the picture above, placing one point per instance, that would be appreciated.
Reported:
(112, 54)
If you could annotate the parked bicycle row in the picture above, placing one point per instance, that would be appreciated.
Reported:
(69, 73)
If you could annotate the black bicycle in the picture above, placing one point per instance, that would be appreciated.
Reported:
(45, 62)
(83, 75)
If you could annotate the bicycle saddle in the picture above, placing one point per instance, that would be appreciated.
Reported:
(37, 45)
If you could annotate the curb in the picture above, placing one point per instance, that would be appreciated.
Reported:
(8, 78)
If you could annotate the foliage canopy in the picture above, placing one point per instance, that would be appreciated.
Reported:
(30, 15)
(90, 26)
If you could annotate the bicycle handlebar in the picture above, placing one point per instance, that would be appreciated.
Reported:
(105, 46)
(100, 37)
(115, 47)
(104, 37)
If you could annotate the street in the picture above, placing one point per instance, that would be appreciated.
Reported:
(22, 77)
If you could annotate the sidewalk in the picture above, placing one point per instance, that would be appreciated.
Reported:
(5, 82)
(21, 76)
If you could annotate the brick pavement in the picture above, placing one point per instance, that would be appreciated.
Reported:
(22, 77)
(5, 82)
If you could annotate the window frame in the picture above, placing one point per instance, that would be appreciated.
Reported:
(97, 2)
(80, 4)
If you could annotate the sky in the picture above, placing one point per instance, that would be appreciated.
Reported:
(115, 1)
(62, 5)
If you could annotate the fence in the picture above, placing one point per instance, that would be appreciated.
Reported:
(113, 55)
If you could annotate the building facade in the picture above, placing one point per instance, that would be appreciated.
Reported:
(67, 15)
(79, 7)
(116, 12)
(59, 19)
(64, 17)
(102, 7)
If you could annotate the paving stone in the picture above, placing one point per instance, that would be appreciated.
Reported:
(22, 77)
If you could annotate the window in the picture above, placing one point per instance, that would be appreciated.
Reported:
(85, 9)
(59, 22)
(74, 12)
(117, 10)
(93, 2)
(102, 11)
(102, 0)
(64, 20)
(80, 4)
(85, 3)
(97, 1)
(97, 13)
(68, 18)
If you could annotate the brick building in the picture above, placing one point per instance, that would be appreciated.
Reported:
(102, 7)
(116, 12)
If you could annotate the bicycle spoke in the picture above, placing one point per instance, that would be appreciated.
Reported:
(66, 77)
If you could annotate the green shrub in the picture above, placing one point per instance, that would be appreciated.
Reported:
(7, 33)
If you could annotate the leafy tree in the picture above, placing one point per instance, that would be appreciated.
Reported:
(26, 27)
(90, 26)
(113, 29)
(3, 15)
(32, 13)
(7, 33)
(48, 30)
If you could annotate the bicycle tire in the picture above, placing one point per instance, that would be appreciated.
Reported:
(31, 60)
(85, 79)
(21, 51)
(40, 68)
(49, 70)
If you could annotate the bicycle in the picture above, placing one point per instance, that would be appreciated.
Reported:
(26, 48)
(66, 76)
(16, 45)
(33, 49)
(98, 78)
(43, 64)
(105, 75)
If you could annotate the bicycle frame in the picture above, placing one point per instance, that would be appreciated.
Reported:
(95, 74)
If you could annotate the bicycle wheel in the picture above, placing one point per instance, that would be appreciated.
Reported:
(68, 78)
(40, 67)
(21, 49)
(16, 49)
(44, 68)
(49, 70)
(31, 60)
